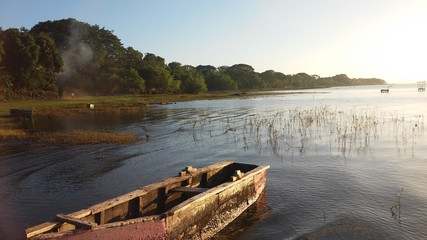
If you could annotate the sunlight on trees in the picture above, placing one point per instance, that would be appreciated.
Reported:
(71, 57)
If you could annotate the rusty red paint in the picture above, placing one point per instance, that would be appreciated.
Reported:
(259, 182)
(151, 230)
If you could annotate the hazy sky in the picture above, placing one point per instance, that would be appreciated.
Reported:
(362, 38)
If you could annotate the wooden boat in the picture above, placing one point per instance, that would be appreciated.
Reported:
(194, 205)
(385, 90)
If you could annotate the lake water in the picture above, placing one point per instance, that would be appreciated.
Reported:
(346, 162)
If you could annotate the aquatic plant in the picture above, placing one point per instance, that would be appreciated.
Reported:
(395, 207)
(318, 128)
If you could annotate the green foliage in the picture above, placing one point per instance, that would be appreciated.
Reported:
(132, 82)
(134, 58)
(95, 61)
(76, 45)
(29, 64)
(215, 79)
(61, 31)
(69, 56)
(344, 80)
(367, 81)
(274, 79)
(155, 74)
(20, 58)
(49, 63)
(245, 76)
(191, 80)
(1, 49)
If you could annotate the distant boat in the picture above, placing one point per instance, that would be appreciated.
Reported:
(385, 90)
(421, 86)
(195, 205)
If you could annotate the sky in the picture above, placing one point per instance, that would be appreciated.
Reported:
(385, 39)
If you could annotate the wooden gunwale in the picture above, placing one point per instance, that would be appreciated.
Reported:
(215, 190)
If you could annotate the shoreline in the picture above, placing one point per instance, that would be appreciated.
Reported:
(10, 129)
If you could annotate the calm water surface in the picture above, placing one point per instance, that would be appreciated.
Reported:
(345, 162)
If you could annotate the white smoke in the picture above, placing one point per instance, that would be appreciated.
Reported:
(76, 58)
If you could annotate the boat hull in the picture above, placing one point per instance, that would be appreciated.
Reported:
(201, 215)
(210, 212)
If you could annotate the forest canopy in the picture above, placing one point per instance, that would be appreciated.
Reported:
(63, 57)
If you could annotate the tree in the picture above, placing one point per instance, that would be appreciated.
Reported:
(191, 80)
(215, 79)
(49, 63)
(81, 53)
(205, 69)
(133, 64)
(341, 80)
(269, 79)
(283, 80)
(29, 63)
(20, 57)
(5, 78)
(223, 69)
(95, 60)
(155, 74)
(109, 44)
(134, 58)
(131, 81)
(302, 80)
(245, 76)
(1, 49)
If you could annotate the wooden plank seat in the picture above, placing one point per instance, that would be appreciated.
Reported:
(75, 221)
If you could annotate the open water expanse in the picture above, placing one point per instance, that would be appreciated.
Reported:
(346, 163)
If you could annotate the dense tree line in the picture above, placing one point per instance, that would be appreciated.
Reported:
(67, 56)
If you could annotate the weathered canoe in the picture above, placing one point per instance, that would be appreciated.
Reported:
(195, 205)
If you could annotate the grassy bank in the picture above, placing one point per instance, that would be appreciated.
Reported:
(10, 129)
(114, 103)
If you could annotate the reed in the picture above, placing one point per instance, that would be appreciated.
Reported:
(303, 130)
(395, 207)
